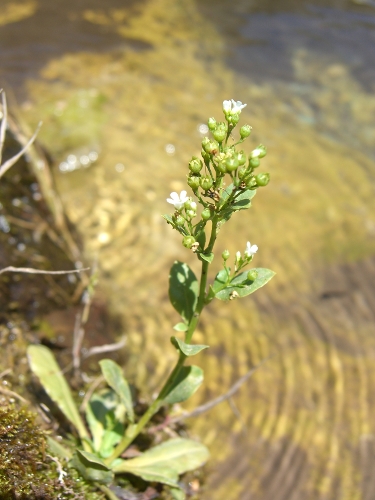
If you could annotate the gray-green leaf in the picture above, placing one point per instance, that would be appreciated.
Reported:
(241, 285)
(114, 377)
(185, 385)
(183, 290)
(187, 349)
(43, 364)
(166, 462)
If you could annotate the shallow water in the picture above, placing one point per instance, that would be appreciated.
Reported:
(125, 82)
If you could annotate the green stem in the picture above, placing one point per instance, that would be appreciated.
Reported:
(154, 407)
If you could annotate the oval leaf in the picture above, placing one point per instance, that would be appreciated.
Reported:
(91, 467)
(242, 285)
(181, 327)
(187, 349)
(114, 377)
(183, 290)
(43, 363)
(175, 456)
(188, 381)
(207, 257)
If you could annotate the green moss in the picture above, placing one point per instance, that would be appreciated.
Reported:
(26, 470)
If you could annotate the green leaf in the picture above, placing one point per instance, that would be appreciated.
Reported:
(106, 427)
(91, 467)
(187, 349)
(43, 363)
(220, 282)
(58, 449)
(241, 284)
(166, 462)
(177, 493)
(241, 202)
(186, 383)
(168, 218)
(200, 234)
(183, 290)
(207, 257)
(114, 377)
(181, 327)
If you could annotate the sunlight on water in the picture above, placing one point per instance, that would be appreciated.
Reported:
(303, 417)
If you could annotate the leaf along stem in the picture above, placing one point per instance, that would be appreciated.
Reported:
(155, 406)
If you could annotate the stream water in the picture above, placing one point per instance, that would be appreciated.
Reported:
(123, 91)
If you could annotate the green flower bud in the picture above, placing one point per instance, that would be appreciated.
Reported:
(225, 255)
(234, 119)
(194, 182)
(242, 172)
(212, 148)
(188, 241)
(251, 183)
(206, 183)
(220, 132)
(262, 179)
(252, 275)
(254, 162)
(221, 167)
(231, 164)
(179, 221)
(245, 131)
(263, 151)
(195, 165)
(205, 142)
(190, 205)
(211, 124)
(206, 157)
(241, 157)
(191, 213)
(206, 214)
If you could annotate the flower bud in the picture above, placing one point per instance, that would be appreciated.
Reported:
(252, 275)
(206, 183)
(205, 156)
(245, 131)
(262, 179)
(254, 162)
(234, 118)
(194, 182)
(241, 157)
(211, 124)
(225, 255)
(220, 132)
(179, 220)
(212, 148)
(188, 241)
(205, 142)
(263, 151)
(221, 167)
(251, 183)
(256, 153)
(206, 214)
(231, 164)
(191, 213)
(195, 165)
(190, 204)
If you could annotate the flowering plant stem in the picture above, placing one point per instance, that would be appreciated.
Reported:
(155, 406)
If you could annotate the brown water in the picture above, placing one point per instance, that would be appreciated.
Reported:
(126, 81)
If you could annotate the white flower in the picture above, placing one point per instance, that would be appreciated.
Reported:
(227, 106)
(232, 107)
(250, 249)
(237, 106)
(238, 255)
(176, 200)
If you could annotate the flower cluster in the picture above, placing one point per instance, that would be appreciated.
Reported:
(221, 161)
